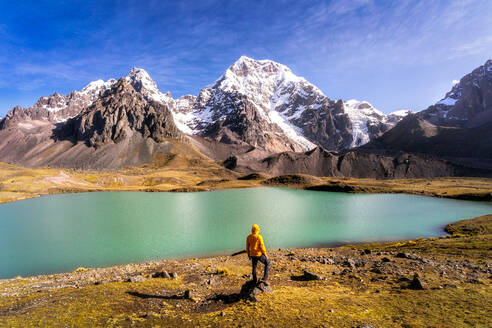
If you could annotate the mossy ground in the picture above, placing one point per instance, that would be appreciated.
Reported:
(456, 272)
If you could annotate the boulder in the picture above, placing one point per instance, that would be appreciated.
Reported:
(251, 289)
(311, 276)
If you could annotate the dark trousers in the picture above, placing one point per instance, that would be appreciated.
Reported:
(265, 261)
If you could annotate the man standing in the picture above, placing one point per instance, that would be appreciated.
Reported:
(257, 252)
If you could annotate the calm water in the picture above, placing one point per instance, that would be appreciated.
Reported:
(62, 232)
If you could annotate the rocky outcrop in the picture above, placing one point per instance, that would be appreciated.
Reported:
(468, 104)
(57, 107)
(118, 114)
(121, 128)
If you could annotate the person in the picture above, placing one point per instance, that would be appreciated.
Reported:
(255, 247)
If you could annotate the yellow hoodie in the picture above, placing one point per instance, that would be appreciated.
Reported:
(254, 243)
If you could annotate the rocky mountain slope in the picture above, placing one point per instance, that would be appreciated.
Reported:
(467, 104)
(458, 127)
(262, 103)
(119, 129)
(118, 114)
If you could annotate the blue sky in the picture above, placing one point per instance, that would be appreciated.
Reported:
(394, 54)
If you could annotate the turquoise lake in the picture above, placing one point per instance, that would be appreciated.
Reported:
(60, 233)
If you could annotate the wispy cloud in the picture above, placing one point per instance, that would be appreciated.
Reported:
(370, 49)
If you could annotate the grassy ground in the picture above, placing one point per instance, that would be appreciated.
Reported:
(455, 270)
(180, 172)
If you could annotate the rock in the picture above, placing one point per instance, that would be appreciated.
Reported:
(250, 290)
(173, 275)
(349, 263)
(161, 274)
(138, 278)
(473, 281)
(222, 314)
(376, 270)
(416, 283)
(367, 251)
(311, 276)
(385, 259)
(187, 294)
(450, 286)
(328, 261)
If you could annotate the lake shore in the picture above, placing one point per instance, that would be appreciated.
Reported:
(369, 284)
(17, 183)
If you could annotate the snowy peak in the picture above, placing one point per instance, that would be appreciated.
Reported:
(94, 88)
(248, 76)
(143, 83)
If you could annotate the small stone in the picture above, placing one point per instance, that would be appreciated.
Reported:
(416, 283)
(311, 276)
(385, 259)
(349, 263)
(173, 275)
(222, 314)
(187, 294)
(138, 278)
(328, 261)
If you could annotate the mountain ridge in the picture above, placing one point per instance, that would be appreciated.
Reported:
(284, 100)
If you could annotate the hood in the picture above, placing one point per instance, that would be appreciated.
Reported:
(255, 228)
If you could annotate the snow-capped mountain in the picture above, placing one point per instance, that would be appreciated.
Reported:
(58, 108)
(257, 102)
(469, 103)
(293, 113)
